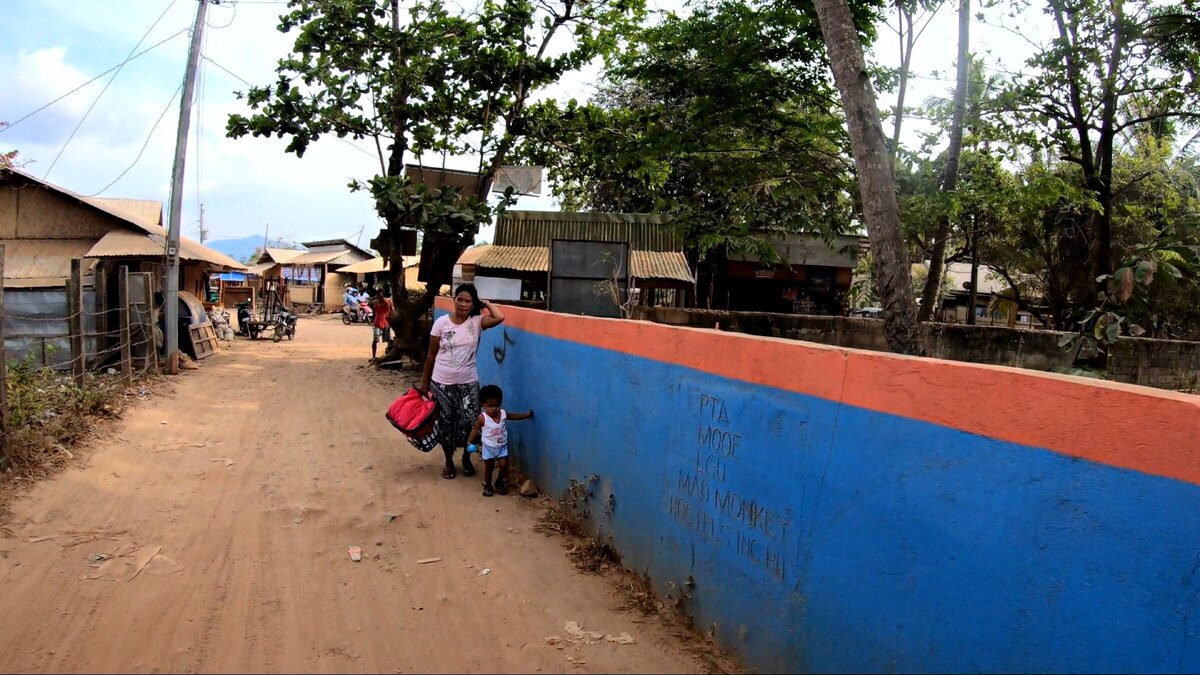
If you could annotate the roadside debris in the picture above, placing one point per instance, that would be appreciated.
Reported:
(426, 561)
(355, 553)
(529, 488)
(485, 571)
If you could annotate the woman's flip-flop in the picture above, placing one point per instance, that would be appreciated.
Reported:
(468, 469)
(449, 472)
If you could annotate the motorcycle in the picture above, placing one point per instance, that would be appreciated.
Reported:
(245, 321)
(364, 315)
(285, 325)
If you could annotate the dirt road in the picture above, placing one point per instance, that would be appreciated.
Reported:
(226, 509)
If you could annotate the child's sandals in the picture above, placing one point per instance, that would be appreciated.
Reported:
(487, 490)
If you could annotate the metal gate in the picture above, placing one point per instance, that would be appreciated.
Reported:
(583, 275)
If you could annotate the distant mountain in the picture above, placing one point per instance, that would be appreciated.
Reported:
(240, 249)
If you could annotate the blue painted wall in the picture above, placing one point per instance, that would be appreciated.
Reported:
(820, 537)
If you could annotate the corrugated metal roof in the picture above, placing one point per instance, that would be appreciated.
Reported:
(472, 255)
(659, 265)
(365, 267)
(125, 244)
(140, 213)
(643, 231)
(260, 268)
(316, 257)
(281, 255)
(44, 258)
(520, 258)
(642, 264)
(148, 210)
(342, 244)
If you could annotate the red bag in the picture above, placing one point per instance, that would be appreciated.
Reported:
(413, 414)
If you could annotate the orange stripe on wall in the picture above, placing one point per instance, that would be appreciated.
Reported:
(1147, 430)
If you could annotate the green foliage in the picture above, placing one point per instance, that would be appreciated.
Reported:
(427, 78)
(726, 119)
(48, 411)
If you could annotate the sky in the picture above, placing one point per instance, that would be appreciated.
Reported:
(116, 136)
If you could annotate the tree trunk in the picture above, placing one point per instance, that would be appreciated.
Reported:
(877, 183)
(931, 295)
(973, 297)
(907, 42)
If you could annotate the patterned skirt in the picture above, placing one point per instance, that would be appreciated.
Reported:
(458, 408)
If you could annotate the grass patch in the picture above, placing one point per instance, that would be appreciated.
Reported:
(49, 414)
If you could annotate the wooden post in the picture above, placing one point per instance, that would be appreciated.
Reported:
(100, 292)
(5, 461)
(149, 289)
(123, 308)
(75, 320)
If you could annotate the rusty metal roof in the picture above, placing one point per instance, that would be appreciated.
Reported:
(643, 231)
(659, 265)
(520, 258)
(642, 264)
(472, 255)
(45, 259)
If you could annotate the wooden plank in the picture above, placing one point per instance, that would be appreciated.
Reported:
(204, 339)
(126, 347)
(100, 292)
(75, 320)
(4, 458)
(149, 300)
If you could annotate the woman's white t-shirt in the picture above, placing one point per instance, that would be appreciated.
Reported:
(459, 343)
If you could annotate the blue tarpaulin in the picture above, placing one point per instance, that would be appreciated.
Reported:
(231, 276)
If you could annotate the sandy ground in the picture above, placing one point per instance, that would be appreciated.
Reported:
(227, 508)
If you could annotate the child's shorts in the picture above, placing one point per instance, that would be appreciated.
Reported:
(494, 453)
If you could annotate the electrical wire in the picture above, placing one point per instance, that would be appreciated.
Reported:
(128, 57)
(231, 19)
(138, 55)
(144, 144)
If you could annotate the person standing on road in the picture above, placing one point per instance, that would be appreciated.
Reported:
(452, 376)
(381, 307)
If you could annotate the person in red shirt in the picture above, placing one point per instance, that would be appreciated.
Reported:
(381, 306)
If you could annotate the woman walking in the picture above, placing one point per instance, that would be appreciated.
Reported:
(452, 376)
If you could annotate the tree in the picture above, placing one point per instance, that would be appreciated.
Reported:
(1111, 68)
(426, 79)
(877, 184)
(10, 158)
(930, 297)
(724, 119)
(912, 18)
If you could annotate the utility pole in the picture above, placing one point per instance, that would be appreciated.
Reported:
(203, 230)
(171, 291)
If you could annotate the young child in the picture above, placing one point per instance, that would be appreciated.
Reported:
(492, 429)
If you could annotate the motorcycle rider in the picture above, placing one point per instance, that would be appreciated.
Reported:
(351, 304)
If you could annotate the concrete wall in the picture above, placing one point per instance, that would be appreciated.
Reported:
(994, 345)
(830, 510)
(1165, 364)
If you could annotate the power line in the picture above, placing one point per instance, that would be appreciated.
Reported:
(144, 144)
(121, 67)
(135, 56)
